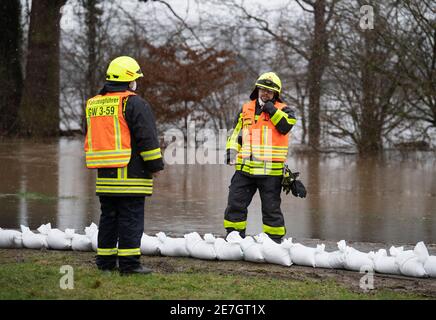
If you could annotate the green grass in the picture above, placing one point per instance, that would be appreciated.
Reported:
(37, 276)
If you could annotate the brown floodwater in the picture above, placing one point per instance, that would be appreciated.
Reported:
(391, 198)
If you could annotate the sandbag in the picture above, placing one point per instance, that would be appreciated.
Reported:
(430, 266)
(384, 263)
(322, 257)
(395, 251)
(172, 247)
(252, 250)
(10, 239)
(44, 228)
(423, 257)
(33, 240)
(81, 242)
(92, 233)
(59, 240)
(229, 249)
(421, 252)
(149, 245)
(409, 264)
(273, 252)
(336, 259)
(354, 259)
(302, 255)
(199, 248)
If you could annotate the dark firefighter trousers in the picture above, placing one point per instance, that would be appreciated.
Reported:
(122, 222)
(241, 191)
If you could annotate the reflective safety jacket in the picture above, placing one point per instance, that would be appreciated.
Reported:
(107, 143)
(121, 142)
(260, 139)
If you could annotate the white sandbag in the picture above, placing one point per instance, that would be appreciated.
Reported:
(172, 247)
(395, 251)
(354, 259)
(229, 249)
(149, 245)
(336, 259)
(33, 240)
(199, 248)
(59, 240)
(415, 266)
(92, 233)
(384, 263)
(409, 264)
(430, 266)
(421, 252)
(10, 239)
(44, 228)
(81, 242)
(252, 250)
(273, 252)
(302, 255)
(322, 257)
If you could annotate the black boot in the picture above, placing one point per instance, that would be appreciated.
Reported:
(106, 263)
(138, 270)
(241, 232)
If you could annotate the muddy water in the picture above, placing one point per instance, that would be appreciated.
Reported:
(386, 199)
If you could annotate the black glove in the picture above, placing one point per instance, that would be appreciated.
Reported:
(290, 183)
(269, 107)
(298, 189)
(289, 112)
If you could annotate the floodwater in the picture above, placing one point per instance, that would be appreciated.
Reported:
(389, 199)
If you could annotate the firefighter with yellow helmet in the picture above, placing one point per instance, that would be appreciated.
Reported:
(121, 143)
(258, 148)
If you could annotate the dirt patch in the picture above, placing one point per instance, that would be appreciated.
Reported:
(168, 265)
(350, 279)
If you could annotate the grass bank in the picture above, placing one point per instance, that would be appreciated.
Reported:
(30, 274)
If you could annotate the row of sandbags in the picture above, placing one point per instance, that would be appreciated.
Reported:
(259, 248)
(50, 238)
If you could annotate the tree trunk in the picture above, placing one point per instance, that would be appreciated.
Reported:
(11, 80)
(370, 138)
(39, 110)
(317, 64)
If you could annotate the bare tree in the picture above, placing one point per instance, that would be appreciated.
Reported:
(365, 103)
(314, 52)
(415, 46)
(39, 109)
(10, 65)
(87, 47)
